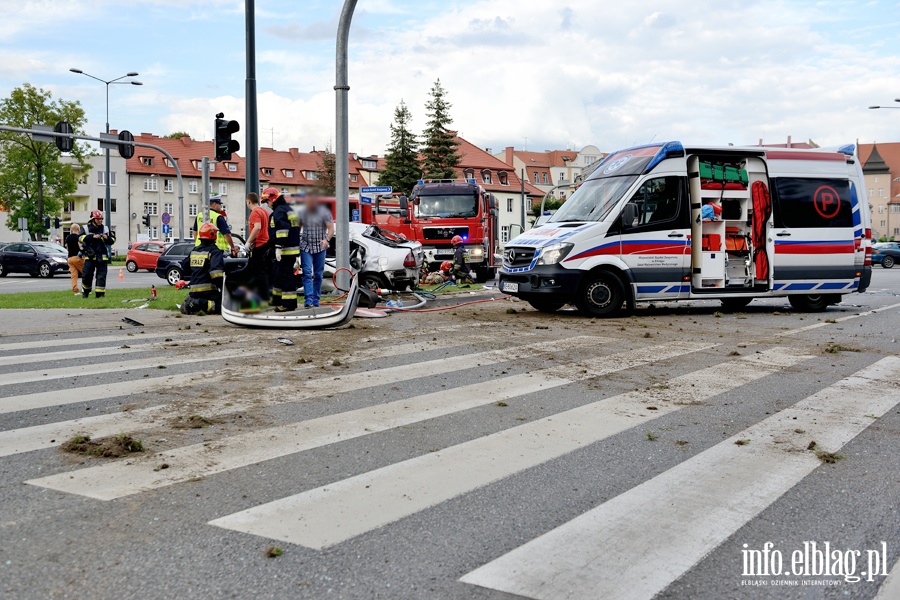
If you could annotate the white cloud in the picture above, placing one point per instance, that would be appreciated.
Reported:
(587, 73)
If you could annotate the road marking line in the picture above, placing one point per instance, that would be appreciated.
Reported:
(123, 478)
(52, 343)
(638, 543)
(37, 437)
(70, 354)
(838, 320)
(341, 510)
(99, 368)
(890, 588)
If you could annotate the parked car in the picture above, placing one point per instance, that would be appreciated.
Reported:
(168, 264)
(143, 255)
(886, 254)
(38, 259)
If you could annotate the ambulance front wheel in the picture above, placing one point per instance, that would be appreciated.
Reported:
(810, 303)
(546, 306)
(601, 295)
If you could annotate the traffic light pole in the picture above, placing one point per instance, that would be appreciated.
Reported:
(342, 146)
(251, 156)
(117, 142)
(204, 171)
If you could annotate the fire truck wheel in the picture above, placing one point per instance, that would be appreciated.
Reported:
(601, 295)
(546, 306)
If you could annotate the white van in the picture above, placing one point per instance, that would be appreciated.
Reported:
(781, 222)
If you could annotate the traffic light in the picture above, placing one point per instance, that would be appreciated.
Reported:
(47, 223)
(126, 151)
(224, 144)
(56, 223)
(65, 144)
(146, 220)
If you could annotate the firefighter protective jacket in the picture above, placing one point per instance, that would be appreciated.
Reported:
(96, 248)
(206, 264)
(284, 228)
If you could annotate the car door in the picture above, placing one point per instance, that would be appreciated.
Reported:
(656, 247)
(813, 235)
(15, 259)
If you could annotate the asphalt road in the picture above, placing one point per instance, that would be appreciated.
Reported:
(488, 451)
(15, 283)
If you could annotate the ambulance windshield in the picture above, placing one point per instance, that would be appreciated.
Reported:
(594, 199)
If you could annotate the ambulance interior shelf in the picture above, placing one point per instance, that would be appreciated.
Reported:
(727, 256)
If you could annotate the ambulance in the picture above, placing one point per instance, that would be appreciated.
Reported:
(673, 222)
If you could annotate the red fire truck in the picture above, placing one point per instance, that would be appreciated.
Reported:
(438, 210)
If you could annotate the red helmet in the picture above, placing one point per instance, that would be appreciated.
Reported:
(446, 265)
(208, 231)
(456, 240)
(96, 214)
(270, 194)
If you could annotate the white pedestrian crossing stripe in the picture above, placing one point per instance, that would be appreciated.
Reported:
(110, 481)
(638, 543)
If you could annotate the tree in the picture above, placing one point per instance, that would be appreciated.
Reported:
(178, 135)
(327, 168)
(33, 180)
(401, 169)
(440, 151)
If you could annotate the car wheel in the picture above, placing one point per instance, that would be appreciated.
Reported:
(546, 306)
(810, 303)
(44, 270)
(2, 270)
(131, 266)
(372, 281)
(601, 295)
(887, 262)
(731, 304)
(173, 275)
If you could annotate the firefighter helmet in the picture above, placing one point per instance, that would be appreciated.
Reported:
(208, 231)
(457, 240)
(270, 194)
(96, 215)
(446, 265)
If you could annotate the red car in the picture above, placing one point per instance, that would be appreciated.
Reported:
(143, 255)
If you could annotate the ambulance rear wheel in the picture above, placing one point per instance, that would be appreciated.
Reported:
(810, 303)
(546, 306)
(732, 304)
(601, 295)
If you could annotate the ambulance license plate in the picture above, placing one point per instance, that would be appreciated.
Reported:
(510, 286)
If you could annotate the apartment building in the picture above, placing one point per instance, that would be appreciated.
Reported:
(881, 171)
(551, 168)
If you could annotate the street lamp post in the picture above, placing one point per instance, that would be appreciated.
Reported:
(107, 83)
(876, 107)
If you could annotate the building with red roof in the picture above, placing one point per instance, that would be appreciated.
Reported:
(881, 172)
(552, 168)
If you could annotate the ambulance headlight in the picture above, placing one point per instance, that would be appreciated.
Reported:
(554, 253)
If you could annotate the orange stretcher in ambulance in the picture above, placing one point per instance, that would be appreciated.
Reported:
(669, 222)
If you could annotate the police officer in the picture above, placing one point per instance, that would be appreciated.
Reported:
(96, 240)
(206, 264)
(220, 222)
(284, 229)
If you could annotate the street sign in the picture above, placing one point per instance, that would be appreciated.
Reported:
(110, 141)
(165, 218)
(166, 229)
(354, 214)
(42, 138)
(380, 189)
(365, 199)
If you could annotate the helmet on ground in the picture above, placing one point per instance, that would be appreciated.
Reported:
(446, 265)
(270, 194)
(457, 240)
(96, 214)
(208, 231)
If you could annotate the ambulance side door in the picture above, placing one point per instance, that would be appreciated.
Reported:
(656, 246)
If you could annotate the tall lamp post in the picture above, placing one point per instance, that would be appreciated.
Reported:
(116, 81)
(876, 107)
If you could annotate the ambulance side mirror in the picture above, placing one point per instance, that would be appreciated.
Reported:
(629, 214)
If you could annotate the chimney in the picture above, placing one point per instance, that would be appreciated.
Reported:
(295, 152)
(789, 142)
(509, 155)
(760, 141)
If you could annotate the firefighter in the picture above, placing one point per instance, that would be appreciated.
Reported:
(206, 264)
(284, 229)
(461, 270)
(96, 240)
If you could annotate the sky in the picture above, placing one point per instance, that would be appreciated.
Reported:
(521, 73)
